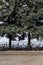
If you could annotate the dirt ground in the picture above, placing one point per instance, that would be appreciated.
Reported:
(21, 58)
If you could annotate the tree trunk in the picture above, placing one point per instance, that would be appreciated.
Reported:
(10, 37)
(29, 40)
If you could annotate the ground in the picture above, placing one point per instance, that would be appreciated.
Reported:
(21, 58)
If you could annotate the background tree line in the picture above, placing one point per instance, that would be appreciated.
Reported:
(21, 15)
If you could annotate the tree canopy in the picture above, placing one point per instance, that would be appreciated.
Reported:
(21, 14)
